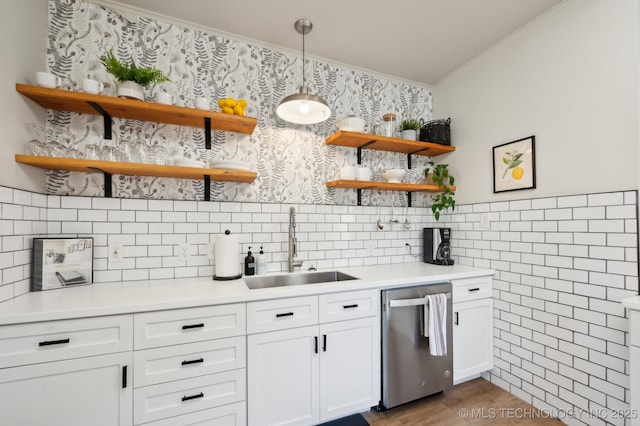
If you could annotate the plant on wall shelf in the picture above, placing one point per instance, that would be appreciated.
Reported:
(410, 124)
(443, 200)
(125, 73)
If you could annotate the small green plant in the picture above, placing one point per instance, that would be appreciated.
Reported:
(441, 177)
(131, 72)
(410, 124)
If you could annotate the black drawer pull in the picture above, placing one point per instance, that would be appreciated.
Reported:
(286, 314)
(53, 342)
(193, 361)
(315, 339)
(190, 326)
(355, 305)
(124, 377)
(324, 342)
(456, 322)
(187, 398)
(474, 289)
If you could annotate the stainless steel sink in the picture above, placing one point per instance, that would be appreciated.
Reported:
(268, 281)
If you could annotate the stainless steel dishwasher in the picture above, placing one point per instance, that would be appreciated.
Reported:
(409, 371)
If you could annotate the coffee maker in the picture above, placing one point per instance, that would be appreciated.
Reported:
(437, 246)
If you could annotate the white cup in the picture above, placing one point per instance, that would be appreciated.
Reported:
(349, 173)
(201, 102)
(168, 99)
(92, 86)
(46, 79)
(364, 173)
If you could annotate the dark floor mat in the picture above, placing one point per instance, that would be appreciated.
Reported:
(352, 420)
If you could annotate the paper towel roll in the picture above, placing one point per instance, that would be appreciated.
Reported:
(227, 256)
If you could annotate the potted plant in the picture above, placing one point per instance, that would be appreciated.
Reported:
(409, 129)
(439, 175)
(131, 78)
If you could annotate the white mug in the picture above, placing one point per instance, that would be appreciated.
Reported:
(46, 79)
(364, 173)
(168, 99)
(201, 102)
(349, 173)
(92, 86)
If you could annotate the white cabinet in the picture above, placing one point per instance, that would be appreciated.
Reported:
(71, 372)
(472, 328)
(190, 366)
(305, 375)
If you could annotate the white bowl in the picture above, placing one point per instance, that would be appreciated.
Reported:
(349, 173)
(351, 124)
(394, 175)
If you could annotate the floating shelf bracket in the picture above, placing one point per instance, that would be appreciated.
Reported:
(107, 182)
(207, 188)
(359, 191)
(106, 118)
(409, 198)
(207, 133)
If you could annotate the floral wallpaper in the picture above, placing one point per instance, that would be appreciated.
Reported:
(292, 161)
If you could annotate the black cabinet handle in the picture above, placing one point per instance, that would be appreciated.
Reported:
(190, 326)
(315, 338)
(456, 321)
(187, 398)
(193, 361)
(324, 342)
(471, 290)
(54, 342)
(355, 305)
(286, 314)
(124, 377)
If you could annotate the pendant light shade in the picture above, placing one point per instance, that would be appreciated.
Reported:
(303, 107)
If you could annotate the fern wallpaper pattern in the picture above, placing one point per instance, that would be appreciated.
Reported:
(293, 162)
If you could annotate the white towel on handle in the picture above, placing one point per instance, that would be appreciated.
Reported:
(437, 324)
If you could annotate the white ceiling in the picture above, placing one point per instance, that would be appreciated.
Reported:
(416, 40)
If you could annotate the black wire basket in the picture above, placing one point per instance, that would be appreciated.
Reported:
(436, 131)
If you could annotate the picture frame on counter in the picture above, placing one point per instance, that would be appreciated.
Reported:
(61, 262)
(514, 165)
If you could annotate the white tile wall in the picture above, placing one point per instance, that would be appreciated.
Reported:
(563, 264)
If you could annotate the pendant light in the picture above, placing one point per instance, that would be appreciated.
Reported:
(303, 107)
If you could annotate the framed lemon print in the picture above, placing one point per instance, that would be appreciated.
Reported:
(514, 165)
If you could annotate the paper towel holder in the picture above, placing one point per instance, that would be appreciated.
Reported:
(229, 277)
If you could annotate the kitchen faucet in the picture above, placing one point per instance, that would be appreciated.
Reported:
(293, 242)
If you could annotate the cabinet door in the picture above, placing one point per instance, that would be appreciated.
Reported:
(283, 377)
(472, 339)
(84, 391)
(349, 367)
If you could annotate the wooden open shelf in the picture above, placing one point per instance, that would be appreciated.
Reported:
(136, 169)
(84, 103)
(385, 186)
(384, 143)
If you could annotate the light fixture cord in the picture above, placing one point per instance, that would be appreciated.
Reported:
(304, 32)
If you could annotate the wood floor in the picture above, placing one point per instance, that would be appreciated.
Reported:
(476, 402)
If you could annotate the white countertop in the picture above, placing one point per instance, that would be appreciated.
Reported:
(632, 302)
(142, 296)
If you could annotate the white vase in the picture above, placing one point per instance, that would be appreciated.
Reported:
(130, 89)
(408, 134)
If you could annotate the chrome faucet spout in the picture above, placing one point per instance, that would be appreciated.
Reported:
(293, 242)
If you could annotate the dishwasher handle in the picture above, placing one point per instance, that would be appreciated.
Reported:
(395, 303)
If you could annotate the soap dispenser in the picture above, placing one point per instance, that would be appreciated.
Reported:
(261, 263)
(249, 263)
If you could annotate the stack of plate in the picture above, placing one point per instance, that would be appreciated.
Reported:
(228, 164)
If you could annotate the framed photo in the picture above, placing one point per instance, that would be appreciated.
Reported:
(61, 262)
(514, 165)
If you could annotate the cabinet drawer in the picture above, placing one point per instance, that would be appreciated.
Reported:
(180, 326)
(471, 289)
(23, 344)
(159, 365)
(348, 305)
(634, 321)
(157, 402)
(227, 415)
(270, 315)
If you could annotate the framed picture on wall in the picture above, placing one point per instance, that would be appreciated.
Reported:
(514, 165)
(61, 262)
